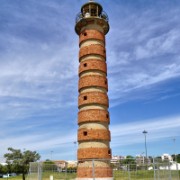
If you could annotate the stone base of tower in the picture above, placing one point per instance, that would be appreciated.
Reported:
(95, 178)
(99, 173)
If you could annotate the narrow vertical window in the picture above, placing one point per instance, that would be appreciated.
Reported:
(85, 133)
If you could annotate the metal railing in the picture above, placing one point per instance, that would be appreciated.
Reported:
(80, 16)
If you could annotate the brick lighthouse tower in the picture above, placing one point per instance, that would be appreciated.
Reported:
(94, 152)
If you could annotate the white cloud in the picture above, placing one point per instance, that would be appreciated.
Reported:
(156, 46)
(143, 55)
(122, 134)
(39, 70)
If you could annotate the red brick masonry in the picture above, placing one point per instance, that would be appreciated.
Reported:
(93, 98)
(99, 172)
(93, 153)
(93, 64)
(93, 115)
(93, 134)
(93, 81)
(91, 34)
(96, 49)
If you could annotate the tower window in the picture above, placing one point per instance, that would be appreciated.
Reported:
(85, 34)
(85, 64)
(109, 152)
(93, 12)
(85, 133)
(107, 115)
(85, 97)
(105, 82)
(81, 162)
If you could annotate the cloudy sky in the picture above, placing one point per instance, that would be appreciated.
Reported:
(39, 76)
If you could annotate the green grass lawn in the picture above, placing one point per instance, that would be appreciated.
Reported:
(58, 176)
(118, 175)
(13, 178)
(145, 175)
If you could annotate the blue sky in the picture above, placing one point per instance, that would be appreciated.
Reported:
(39, 76)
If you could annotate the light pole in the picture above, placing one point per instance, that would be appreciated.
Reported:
(174, 140)
(75, 148)
(145, 132)
(51, 155)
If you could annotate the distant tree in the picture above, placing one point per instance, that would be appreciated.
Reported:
(49, 165)
(71, 169)
(151, 159)
(130, 161)
(158, 159)
(173, 157)
(176, 157)
(48, 162)
(19, 161)
(3, 169)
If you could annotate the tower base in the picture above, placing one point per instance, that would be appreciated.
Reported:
(103, 178)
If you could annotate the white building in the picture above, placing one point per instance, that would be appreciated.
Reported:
(71, 164)
(167, 157)
(172, 166)
(115, 159)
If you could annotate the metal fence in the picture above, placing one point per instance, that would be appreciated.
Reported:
(149, 171)
(42, 171)
(125, 169)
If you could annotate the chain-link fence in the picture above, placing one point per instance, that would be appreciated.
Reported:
(43, 171)
(123, 169)
(149, 169)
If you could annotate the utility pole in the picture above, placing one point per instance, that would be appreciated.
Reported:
(145, 132)
(175, 158)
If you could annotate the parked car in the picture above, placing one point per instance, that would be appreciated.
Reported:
(6, 175)
(9, 175)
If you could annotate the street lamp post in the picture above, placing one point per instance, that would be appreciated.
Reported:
(75, 148)
(174, 140)
(51, 155)
(145, 132)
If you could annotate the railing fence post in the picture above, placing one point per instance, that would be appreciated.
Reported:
(93, 173)
(129, 175)
(177, 170)
(154, 167)
(170, 177)
(39, 171)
